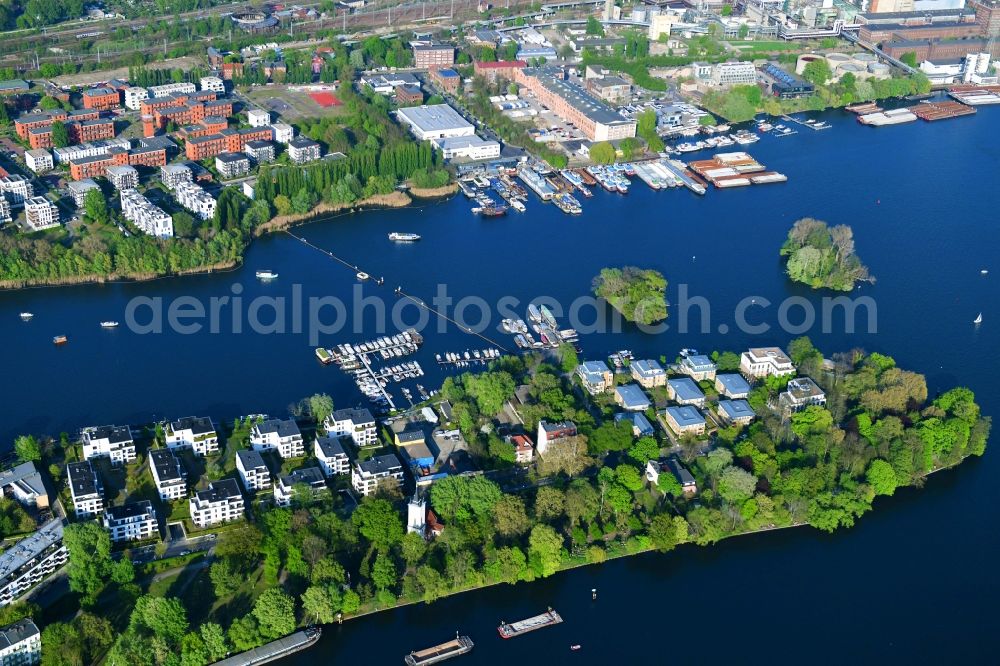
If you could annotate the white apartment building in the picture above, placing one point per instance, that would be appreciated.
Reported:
(172, 175)
(172, 89)
(114, 442)
(213, 84)
(253, 470)
(727, 74)
(85, 489)
(17, 188)
(258, 117)
(284, 490)
(193, 432)
(5, 215)
(40, 213)
(131, 522)
(358, 424)
(150, 219)
(281, 436)
(331, 456)
(38, 160)
(20, 644)
(30, 560)
(221, 503)
(168, 475)
(91, 149)
(365, 476)
(283, 132)
(78, 190)
(123, 177)
(232, 165)
(134, 97)
(260, 151)
(301, 150)
(759, 362)
(195, 199)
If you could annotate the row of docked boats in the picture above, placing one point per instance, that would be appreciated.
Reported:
(398, 372)
(612, 178)
(467, 358)
(742, 137)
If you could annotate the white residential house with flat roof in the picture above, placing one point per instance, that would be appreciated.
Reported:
(331, 456)
(358, 424)
(5, 215)
(684, 391)
(302, 150)
(213, 84)
(40, 214)
(760, 362)
(286, 487)
(221, 503)
(84, 489)
(193, 432)
(253, 470)
(172, 175)
(29, 561)
(283, 132)
(196, 200)
(135, 521)
(168, 474)
(258, 117)
(800, 393)
(20, 644)
(732, 386)
(150, 219)
(109, 441)
(38, 160)
(365, 476)
(123, 176)
(78, 190)
(698, 367)
(595, 376)
(648, 373)
(17, 188)
(134, 97)
(282, 436)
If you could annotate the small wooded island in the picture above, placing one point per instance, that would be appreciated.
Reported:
(638, 294)
(822, 256)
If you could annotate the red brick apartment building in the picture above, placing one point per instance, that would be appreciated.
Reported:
(101, 99)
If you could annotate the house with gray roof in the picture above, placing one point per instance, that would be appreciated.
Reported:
(732, 386)
(631, 398)
(278, 435)
(738, 412)
(331, 456)
(698, 367)
(684, 391)
(641, 427)
(648, 373)
(684, 420)
(596, 376)
(24, 483)
(253, 470)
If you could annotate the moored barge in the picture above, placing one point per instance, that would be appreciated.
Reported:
(546, 619)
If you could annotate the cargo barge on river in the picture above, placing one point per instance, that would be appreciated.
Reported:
(454, 648)
(546, 619)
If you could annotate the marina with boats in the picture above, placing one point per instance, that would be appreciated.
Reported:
(357, 360)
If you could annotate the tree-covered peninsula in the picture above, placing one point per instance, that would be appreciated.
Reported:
(822, 256)
(638, 294)
(591, 496)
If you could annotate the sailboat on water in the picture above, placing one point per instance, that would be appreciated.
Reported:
(978, 319)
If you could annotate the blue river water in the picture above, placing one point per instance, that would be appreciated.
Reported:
(913, 581)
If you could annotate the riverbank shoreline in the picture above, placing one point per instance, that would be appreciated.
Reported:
(397, 199)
